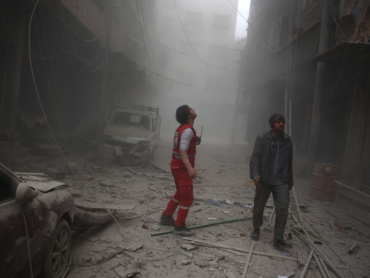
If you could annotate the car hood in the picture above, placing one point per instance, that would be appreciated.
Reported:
(130, 140)
(41, 183)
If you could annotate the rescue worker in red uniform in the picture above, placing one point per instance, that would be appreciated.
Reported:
(182, 167)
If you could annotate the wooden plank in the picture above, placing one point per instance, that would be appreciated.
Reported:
(90, 205)
(248, 260)
(208, 244)
(304, 271)
(351, 188)
(321, 269)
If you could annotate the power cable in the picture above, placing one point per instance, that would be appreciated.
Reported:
(186, 35)
(251, 25)
(191, 57)
(85, 40)
(165, 77)
(48, 125)
(47, 79)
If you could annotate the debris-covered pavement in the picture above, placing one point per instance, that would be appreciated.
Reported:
(138, 196)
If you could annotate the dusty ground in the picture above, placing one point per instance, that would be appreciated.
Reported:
(97, 253)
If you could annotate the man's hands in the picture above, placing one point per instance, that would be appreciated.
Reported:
(257, 181)
(290, 186)
(192, 172)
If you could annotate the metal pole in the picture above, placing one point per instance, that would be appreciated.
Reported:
(322, 272)
(303, 274)
(248, 260)
(206, 225)
(349, 187)
(325, 268)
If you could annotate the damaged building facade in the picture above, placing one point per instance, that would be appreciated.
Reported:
(309, 60)
(83, 55)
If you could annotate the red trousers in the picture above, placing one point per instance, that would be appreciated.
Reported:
(184, 195)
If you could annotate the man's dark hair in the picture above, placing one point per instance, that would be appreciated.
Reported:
(275, 117)
(182, 114)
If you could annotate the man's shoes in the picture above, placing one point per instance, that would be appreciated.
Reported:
(282, 243)
(182, 231)
(167, 220)
(255, 234)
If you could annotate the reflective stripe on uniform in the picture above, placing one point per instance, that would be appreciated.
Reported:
(179, 157)
(184, 207)
(175, 200)
(176, 153)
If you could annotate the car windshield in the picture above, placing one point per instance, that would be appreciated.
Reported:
(128, 119)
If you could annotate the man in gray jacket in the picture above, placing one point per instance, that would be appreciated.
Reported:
(271, 168)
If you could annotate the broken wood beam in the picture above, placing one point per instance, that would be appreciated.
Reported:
(248, 260)
(325, 268)
(351, 188)
(206, 225)
(209, 244)
(304, 271)
(352, 249)
(312, 246)
(300, 257)
(321, 269)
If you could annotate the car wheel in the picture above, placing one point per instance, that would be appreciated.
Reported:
(57, 259)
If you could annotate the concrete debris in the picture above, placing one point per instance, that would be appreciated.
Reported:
(353, 249)
(229, 274)
(132, 247)
(341, 226)
(188, 247)
(201, 263)
(189, 255)
(71, 165)
(186, 262)
(107, 184)
(132, 270)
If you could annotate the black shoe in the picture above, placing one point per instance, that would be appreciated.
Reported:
(182, 231)
(167, 220)
(282, 243)
(255, 234)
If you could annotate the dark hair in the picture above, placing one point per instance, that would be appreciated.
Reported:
(275, 117)
(182, 114)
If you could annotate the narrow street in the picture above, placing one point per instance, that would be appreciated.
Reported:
(223, 175)
(185, 138)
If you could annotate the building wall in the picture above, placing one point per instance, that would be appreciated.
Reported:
(210, 28)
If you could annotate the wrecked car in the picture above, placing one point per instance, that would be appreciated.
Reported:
(36, 215)
(135, 129)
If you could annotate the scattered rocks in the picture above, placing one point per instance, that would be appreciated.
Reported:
(188, 246)
(132, 247)
(145, 226)
(202, 264)
(186, 262)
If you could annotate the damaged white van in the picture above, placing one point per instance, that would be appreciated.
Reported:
(135, 129)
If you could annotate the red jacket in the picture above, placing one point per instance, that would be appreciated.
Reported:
(176, 158)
